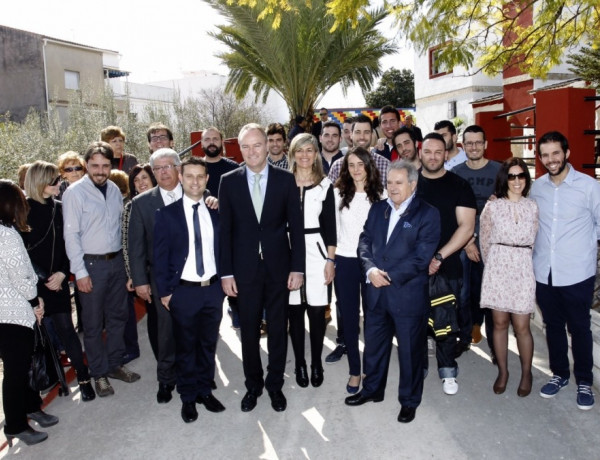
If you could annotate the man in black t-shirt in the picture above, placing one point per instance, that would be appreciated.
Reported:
(216, 164)
(454, 199)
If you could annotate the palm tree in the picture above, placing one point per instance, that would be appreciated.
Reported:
(303, 57)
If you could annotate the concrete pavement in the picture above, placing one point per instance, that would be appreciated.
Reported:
(475, 423)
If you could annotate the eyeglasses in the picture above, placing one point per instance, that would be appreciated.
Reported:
(158, 169)
(521, 176)
(474, 144)
(54, 182)
(162, 137)
(73, 168)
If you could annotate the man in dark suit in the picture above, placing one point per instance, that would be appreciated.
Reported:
(395, 248)
(260, 264)
(165, 164)
(186, 271)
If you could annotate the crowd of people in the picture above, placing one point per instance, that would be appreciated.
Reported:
(387, 223)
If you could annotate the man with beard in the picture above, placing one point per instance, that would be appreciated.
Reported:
(389, 119)
(216, 164)
(330, 144)
(276, 146)
(454, 199)
(405, 145)
(564, 262)
(455, 155)
(92, 210)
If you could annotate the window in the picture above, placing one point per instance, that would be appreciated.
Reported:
(436, 68)
(451, 110)
(71, 79)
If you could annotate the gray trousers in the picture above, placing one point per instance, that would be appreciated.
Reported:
(105, 308)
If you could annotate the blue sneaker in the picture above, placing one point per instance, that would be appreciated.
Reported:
(553, 386)
(585, 397)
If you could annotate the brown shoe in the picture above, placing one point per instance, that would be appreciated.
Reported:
(476, 336)
(263, 328)
(124, 374)
(103, 387)
(500, 384)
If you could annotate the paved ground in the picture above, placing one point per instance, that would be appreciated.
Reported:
(473, 424)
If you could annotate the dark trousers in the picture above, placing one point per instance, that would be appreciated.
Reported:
(131, 334)
(16, 349)
(411, 334)
(339, 339)
(63, 324)
(151, 323)
(105, 308)
(196, 314)
(273, 296)
(568, 306)
(317, 325)
(165, 341)
(349, 286)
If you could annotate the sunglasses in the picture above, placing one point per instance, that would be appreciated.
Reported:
(73, 168)
(54, 182)
(514, 176)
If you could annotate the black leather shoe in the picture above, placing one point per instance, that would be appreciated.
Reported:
(188, 412)
(359, 399)
(249, 401)
(211, 403)
(164, 394)
(316, 376)
(302, 376)
(87, 391)
(407, 414)
(278, 401)
(461, 347)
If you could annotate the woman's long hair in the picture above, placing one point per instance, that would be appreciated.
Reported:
(13, 206)
(345, 183)
(39, 175)
(134, 172)
(300, 141)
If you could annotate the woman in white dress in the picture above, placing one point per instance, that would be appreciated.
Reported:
(508, 228)
(318, 208)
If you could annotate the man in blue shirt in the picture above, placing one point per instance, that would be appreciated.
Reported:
(564, 262)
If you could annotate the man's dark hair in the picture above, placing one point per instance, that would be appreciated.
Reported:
(349, 120)
(100, 147)
(474, 129)
(554, 136)
(158, 127)
(436, 136)
(445, 124)
(390, 109)
(331, 124)
(276, 128)
(362, 119)
(193, 161)
(403, 130)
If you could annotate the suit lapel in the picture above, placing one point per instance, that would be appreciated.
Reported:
(404, 220)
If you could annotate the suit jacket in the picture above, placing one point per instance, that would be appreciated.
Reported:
(405, 257)
(171, 245)
(241, 232)
(141, 234)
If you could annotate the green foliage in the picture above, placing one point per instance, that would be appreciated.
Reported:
(43, 136)
(475, 31)
(586, 64)
(396, 87)
(298, 54)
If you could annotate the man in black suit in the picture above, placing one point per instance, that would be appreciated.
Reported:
(165, 164)
(395, 248)
(260, 263)
(186, 271)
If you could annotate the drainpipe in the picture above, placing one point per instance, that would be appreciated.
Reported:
(46, 79)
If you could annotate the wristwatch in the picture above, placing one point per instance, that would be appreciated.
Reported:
(437, 256)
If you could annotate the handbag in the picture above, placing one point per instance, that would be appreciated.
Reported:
(46, 370)
(442, 317)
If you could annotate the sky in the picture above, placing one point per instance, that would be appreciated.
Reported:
(157, 40)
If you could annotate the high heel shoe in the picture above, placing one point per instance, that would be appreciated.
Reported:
(43, 419)
(525, 389)
(302, 376)
(87, 391)
(29, 437)
(352, 389)
(499, 387)
(316, 376)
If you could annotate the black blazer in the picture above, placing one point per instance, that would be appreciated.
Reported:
(171, 245)
(241, 232)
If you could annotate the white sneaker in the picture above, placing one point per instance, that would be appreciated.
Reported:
(450, 386)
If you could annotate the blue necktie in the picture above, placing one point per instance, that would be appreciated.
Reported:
(198, 241)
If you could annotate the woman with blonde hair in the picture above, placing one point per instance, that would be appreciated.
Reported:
(46, 247)
(318, 208)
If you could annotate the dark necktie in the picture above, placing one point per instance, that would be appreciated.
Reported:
(198, 241)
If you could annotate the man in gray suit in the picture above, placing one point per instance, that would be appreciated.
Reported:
(165, 164)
